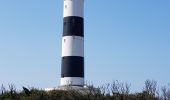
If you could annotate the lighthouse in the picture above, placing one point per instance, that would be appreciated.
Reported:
(72, 64)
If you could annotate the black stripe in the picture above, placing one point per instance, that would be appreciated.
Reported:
(72, 66)
(73, 26)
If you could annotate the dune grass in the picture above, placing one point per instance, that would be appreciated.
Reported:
(113, 91)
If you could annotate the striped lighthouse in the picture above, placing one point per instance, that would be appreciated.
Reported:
(72, 67)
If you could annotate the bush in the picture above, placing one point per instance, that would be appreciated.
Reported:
(114, 91)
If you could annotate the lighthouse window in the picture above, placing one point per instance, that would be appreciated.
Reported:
(65, 6)
(64, 23)
(73, 22)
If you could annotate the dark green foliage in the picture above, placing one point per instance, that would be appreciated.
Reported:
(114, 91)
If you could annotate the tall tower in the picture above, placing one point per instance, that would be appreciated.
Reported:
(72, 67)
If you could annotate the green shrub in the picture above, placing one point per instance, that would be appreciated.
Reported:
(113, 91)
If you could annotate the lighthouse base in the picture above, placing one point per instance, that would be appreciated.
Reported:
(83, 90)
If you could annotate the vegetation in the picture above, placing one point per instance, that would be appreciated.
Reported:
(114, 91)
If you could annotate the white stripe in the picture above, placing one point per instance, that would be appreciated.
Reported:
(72, 46)
(72, 81)
(73, 8)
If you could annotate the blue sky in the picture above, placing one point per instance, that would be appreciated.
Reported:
(125, 40)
